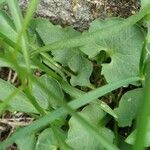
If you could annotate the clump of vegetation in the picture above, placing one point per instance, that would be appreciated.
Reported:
(76, 90)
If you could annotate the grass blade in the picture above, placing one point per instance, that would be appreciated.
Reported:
(21, 26)
(74, 92)
(77, 103)
(143, 119)
(18, 19)
(30, 11)
(101, 34)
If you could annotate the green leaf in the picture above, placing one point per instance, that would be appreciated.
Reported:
(7, 28)
(144, 113)
(72, 91)
(4, 62)
(131, 138)
(45, 99)
(124, 49)
(128, 107)
(75, 104)
(50, 33)
(100, 34)
(26, 142)
(144, 3)
(79, 138)
(123, 145)
(46, 140)
(19, 102)
(2, 1)
(71, 58)
(77, 63)
(108, 109)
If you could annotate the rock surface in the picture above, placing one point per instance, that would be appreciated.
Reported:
(80, 13)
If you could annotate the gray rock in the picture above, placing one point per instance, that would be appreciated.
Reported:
(65, 12)
(79, 13)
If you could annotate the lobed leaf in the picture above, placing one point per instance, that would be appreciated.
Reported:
(27, 142)
(44, 98)
(52, 116)
(124, 48)
(18, 103)
(83, 40)
(71, 58)
(76, 61)
(79, 138)
(46, 140)
(128, 107)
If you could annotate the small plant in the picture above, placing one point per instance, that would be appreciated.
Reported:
(69, 110)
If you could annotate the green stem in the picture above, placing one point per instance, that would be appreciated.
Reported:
(29, 14)
(18, 20)
(21, 27)
(116, 133)
(35, 103)
(143, 119)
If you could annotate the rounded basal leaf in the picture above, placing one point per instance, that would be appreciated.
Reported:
(50, 33)
(44, 98)
(93, 113)
(93, 48)
(46, 140)
(123, 48)
(128, 107)
(17, 103)
(82, 67)
(71, 58)
(78, 136)
(27, 142)
(75, 60)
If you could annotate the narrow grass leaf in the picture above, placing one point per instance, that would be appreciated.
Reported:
(143, 118)
(50, 117)
(74, 92)
(84, 39)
